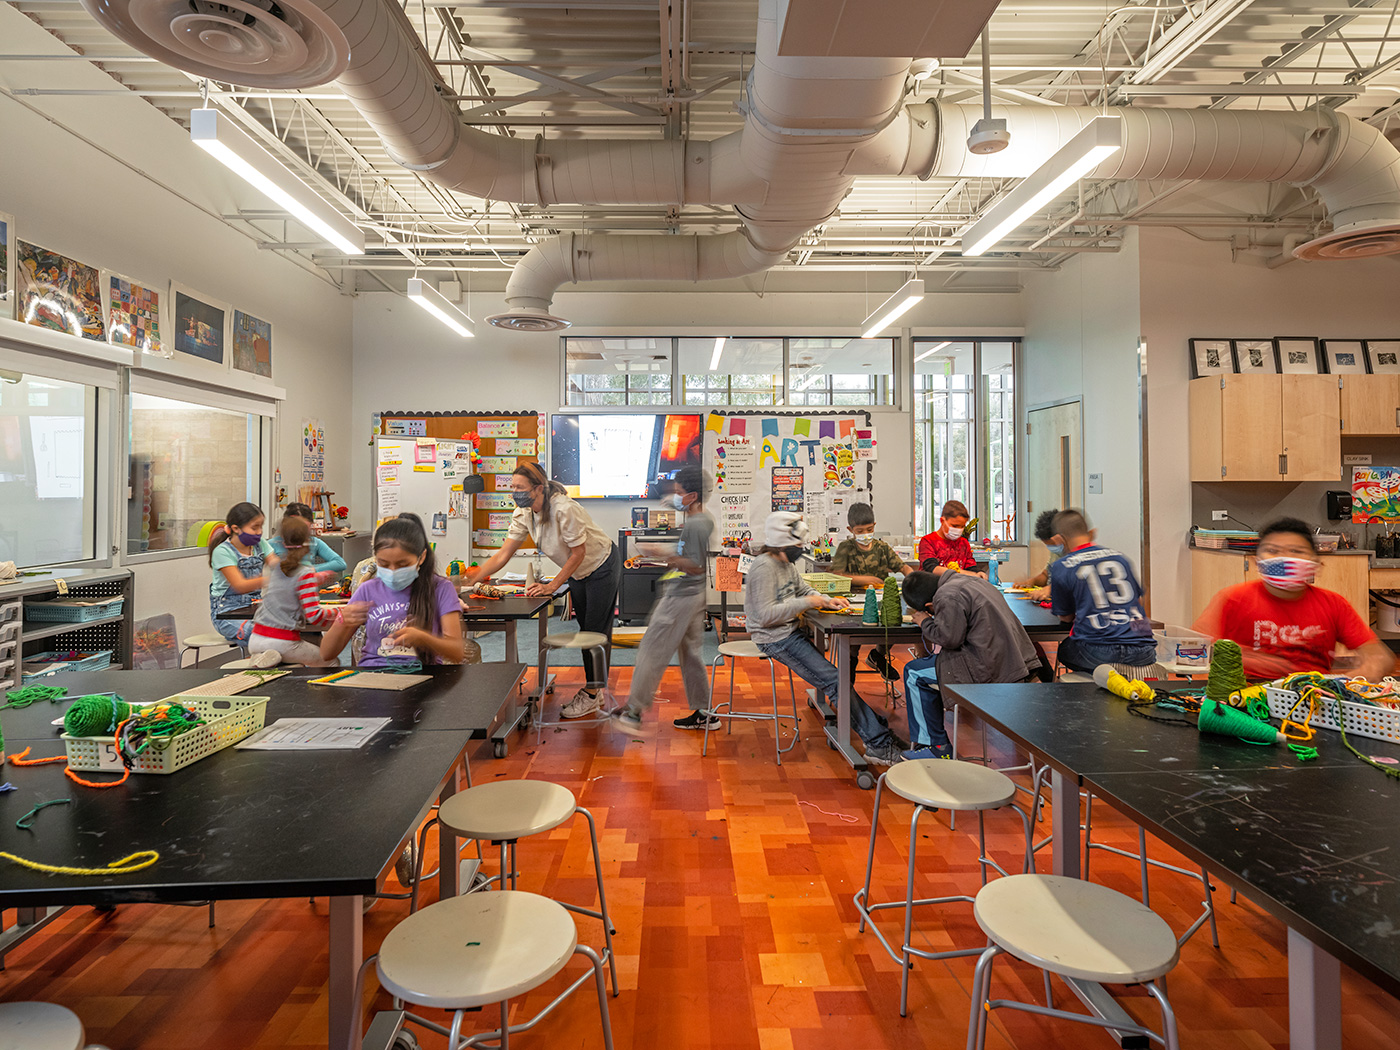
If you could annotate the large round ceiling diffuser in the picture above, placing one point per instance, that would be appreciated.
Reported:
(525, 321)
(251, 43)
(1359, 240)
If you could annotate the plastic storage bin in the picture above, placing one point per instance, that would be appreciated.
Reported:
(827, 582)
(1180, 647)
(41, 665)
(72, 610)
(229, 720)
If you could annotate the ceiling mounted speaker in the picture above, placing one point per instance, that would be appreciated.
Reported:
(1357, 241)
(250, 43)
(528, 322)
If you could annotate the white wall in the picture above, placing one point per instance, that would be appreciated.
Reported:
(139, 198)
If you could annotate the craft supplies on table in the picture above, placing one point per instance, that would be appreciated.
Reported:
(828, 582)
(314, 734)
(73, 610)
(1321, 712)
(227, 720)
(232, 685)
(372, 680)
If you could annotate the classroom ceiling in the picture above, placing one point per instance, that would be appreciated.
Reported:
(669, 69)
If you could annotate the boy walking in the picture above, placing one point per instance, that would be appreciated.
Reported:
(1097, 589)
(867, 561)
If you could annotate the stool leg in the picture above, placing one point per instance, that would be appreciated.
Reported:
(454, 1036)
(729, 722)
(905, 962)
(714, 666)
(1168, 1016)
(1088, 829)
(777, 736)
(514, 873)
(504, 1044)
(796, 718)
(952, 815)
(1049, 995)
(982, 844)
(1142, 861)
(592, 956)
(602, 896)
(1210, 907)
(505, 865)
(870, 853)
(981, 989)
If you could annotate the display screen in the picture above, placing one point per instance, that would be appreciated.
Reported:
(623, 456)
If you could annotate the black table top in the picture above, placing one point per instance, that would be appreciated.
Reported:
(1034, 619)
(238, 824)
(460, 698)
(516, 607)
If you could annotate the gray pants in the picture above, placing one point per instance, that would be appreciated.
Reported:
(677, 624)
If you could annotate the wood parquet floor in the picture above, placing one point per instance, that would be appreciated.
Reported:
(730, 882)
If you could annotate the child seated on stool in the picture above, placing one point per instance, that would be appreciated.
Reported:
(972, 636)
(867, 561)
(1097, 590)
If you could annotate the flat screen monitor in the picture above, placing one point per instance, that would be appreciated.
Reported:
(621, 456)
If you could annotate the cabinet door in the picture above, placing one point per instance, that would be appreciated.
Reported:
(1350, 576)
(1212, 572)
(1312, 434)
(1371, 404)
(1203, 406)
(1251, 427)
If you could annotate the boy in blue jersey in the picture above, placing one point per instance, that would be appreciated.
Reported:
(1097, 589)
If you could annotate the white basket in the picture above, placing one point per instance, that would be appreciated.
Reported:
(228, 720)
(1378, 723)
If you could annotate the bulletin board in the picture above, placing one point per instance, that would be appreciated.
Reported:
(476, 524)
(759, 462)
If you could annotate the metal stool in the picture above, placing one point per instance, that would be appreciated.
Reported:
(505, 811)
(40, 1026)
(935, 783)
(575, 640)
(1086, 933)
(468, 952)
(749, 650)
(199, 642)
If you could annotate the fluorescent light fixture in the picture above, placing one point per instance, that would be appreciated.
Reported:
(893, 308)
(221, 139)
(1185, 35)
(1100, 138)
(719, 349)
(437, 304)
(933, 350)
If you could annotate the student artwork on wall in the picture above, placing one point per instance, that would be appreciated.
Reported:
(1383, 356)
(252, 344)
(133, 315)
(7, 265)
(1211, 357)
(58, 292)
(1255, 357)
(1344, 356)
(1375, 495)
(199, 325)
(1298, 355)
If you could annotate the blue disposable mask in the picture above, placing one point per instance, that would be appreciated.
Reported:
(678, 501)
(397, 579)
(523, 499)
(1055, 548)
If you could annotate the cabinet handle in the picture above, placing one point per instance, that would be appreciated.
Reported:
(1397, 417)
(1283, 463)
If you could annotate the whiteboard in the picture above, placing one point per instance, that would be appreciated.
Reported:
(424, 492)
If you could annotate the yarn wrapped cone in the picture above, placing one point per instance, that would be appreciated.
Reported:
(891, 611)
(871, 613)
(95, 715)
(1224, 720)
(1226, 671)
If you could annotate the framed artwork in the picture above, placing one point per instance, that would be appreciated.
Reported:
(1344, 357)
(252, 344)
(1211, 357)
(58, 292)
(1255, 357)
(8, 293)
(133, 315)
(1383, 356)
(199, 325)
(1298, 355)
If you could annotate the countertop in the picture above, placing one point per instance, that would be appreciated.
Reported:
(1388, 563)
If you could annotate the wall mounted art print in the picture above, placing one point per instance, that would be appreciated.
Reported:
(133, 315)
(199, 325)
(252, 344)
(59, 293)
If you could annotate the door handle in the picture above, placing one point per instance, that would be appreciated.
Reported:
(1283, 463)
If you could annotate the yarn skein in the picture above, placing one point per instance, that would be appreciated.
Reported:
(891, 609)
(1226, 671)
(1216, 717)
(95, 715)
(871, 613)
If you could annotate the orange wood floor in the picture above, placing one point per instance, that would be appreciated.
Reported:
(730, 881)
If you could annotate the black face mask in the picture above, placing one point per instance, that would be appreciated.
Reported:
(792, 553)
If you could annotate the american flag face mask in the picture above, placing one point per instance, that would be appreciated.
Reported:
(1287, 574)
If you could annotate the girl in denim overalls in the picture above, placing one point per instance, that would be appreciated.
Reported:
(236, 554)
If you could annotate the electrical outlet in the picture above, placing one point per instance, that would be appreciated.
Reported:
(1219, 515)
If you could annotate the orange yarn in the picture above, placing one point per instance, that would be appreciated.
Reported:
(19, 760)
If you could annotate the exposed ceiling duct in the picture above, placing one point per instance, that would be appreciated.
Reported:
(813, 125)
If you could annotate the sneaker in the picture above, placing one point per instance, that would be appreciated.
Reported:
(878, 660)
(932, 751)
(883, 756)
(627, 720)
(581, 706)
(698, 720)
(265, 659)
(403, 868)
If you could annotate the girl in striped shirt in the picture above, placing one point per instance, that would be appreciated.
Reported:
(289, 603)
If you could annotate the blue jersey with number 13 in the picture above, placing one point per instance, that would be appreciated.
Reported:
(1099, 587)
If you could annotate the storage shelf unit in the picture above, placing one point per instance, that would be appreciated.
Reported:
(109, 632)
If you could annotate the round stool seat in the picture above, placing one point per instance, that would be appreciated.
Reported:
(942, 784)
(1076, 928)
(204, 641)
(576, 640)
(239, 665)
(478, 949)
(39, 1026)
(742, 649)
(508, 809)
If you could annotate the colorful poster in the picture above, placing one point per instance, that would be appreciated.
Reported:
(458, 505)
(839, 465)
(727, 575)
(252, 344)
(439, 526)
(425, 453)
(497, 464)
(448, 466)
(1375, 494)
(787, 489)
(733, 514)
(198, 326)
(735, 463)
(497, 428)
(499, 519)
(389, 474)
(59, 293)
(515, 446)
(406, 427)
(133, 316)
(490, 538)
(494, 501)
(313, 452)
(503, 484)
(866, 445)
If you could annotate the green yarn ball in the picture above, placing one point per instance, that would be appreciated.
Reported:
(1217, 717)
(1226, 671)
(891, 609)
(95, 715)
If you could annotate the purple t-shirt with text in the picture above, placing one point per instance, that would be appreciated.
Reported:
(388, 613)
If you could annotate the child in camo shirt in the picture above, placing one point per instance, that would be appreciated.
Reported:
(867, 561)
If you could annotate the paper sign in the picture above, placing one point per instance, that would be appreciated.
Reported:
(499, 520)
(389, 474)
(458, 505)
(866, 445)
(802, 425)
(439, 527)
(769, 427)
(733, 513)
(846, 426)
(838, 463)
(406, 427)
(727, 575)
(425, 468)
(497, 464)
(497, 428)
(388, 501)
(787, 489)
(424, 441)
(490, 538)
(745, 560)
(826, 428)
(734, 465)
(738, 426)
(816, 509)
(1375, 494)
(425, 453)
(515, 446)
(494, 500)
(503, 484)
(714, 422)
(448, 465)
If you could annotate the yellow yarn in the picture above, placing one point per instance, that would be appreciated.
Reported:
(1242, 697)
(117, 867)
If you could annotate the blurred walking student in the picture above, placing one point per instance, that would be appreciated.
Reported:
(289, 602)
(867, 561)
(677, 623)
(319, 557)
(237, 552)
(1045, 533)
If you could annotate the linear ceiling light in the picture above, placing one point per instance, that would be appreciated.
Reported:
(893, 308)
(228, 144)
(933, 350)
(1184, 36)
(719, 349)
(1100, 138)
(437, 304)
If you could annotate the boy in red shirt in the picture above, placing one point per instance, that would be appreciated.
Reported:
(947, 545)
(1282, 622)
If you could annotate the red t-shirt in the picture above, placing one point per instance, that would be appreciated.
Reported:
(1304, 632)
(944, 551)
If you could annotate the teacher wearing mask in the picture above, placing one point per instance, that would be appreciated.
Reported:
(587, 562)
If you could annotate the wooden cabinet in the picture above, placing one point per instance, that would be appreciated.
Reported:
(1212, 571)
(1265, 428)
(1371, 405)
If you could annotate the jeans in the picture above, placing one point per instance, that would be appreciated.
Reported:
(925, 700)
(595, 601)
(677, 624)
(1085, 656)
(815, 669)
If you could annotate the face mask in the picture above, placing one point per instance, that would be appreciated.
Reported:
(865, 540)
(1055, 548)
(250, 539)
(1287, 574)
(954, 534)
(678, 501)
(398, 579)
(792, 553)
(523, 499)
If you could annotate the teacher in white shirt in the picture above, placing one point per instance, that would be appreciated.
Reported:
(587, 562)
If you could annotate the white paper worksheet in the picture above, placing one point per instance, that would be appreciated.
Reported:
(314, 734)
